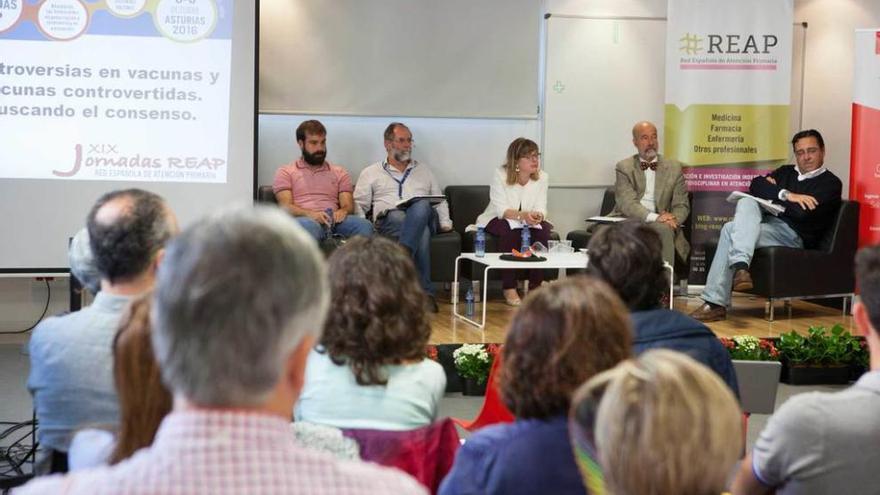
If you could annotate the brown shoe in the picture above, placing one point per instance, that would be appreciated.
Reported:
(742, 280)
(709, 312)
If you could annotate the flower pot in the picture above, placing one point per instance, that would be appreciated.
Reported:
(444, 357)
(758, 381)
(800, 374)
(473, 388)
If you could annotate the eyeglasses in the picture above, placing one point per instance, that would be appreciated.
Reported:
(532, 156)
(405, 141)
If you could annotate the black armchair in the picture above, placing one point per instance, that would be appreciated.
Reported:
(445, 246)
(580, 238)
(828, 271)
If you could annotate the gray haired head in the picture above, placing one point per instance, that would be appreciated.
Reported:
(235, 294)
(82, 263)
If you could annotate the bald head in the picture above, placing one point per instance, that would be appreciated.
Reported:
(645, 140)
(127, 229)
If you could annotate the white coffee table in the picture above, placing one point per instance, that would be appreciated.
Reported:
(493, 261)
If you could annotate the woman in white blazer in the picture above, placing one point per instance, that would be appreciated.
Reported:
(517, 200)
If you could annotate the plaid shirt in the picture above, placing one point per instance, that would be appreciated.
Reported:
(222, 452)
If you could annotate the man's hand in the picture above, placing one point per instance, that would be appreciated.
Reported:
(771, 180)
(319, 216)
(445, 228)
(806, 201)
(668, 219)
(339, 215)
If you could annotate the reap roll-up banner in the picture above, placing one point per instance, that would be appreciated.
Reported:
(864, 165)
(728, 85)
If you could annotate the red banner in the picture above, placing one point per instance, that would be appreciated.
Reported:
(864, 167)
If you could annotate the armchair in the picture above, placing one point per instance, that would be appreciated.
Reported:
(791, 273)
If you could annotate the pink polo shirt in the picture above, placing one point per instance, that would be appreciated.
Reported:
(313, 188)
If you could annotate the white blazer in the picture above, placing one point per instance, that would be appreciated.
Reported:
(503, 196)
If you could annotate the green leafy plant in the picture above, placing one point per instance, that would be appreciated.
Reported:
(748, 348)
(474, 361)
(820, 347)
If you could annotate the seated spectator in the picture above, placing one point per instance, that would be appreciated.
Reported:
(232, 347)
(143, 399)
(71, 375)
(517, 201)
(628, 256)
(369, 369)
(826, 442)
(310, 186)
(562, 335)
(660, 424)
(82, 263)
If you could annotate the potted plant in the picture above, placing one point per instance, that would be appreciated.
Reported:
(472, 362)
(757, 366)
(821, 357)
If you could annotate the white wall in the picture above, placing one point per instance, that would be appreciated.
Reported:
(22, 301)
(828, 81)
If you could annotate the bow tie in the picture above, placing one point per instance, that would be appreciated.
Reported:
(646, 165)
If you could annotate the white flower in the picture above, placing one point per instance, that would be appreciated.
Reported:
(470, 351)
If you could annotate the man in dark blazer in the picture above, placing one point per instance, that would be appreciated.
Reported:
(810, 194)
(652, 189)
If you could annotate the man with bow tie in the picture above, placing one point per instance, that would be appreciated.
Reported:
(810, 194)
(652, 189)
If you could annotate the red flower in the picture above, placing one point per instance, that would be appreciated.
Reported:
(431, 352)
(728, 343)
(493, 350)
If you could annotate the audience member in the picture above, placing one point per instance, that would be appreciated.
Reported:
(562, 335)
(660, 424)
(382, 185)
(82, 263)
(810, 194)
(71, 356)
(627, 257)
(232, 347)
(517, 201)
(311, 185)
(143, 399)
(370, 369)
(826, 442)
(651, 189)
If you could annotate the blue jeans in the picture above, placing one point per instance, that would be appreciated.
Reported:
(750, 229)
(413, 227)
(349, 227)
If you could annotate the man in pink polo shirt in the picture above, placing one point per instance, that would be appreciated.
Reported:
(310, 186)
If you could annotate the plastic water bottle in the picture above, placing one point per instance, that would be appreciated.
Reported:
(526, 239)
(469, 302)
(480, 243)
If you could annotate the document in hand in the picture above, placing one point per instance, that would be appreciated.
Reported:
(516, 224)
(605, 219)
(406, 203)
(768, 206)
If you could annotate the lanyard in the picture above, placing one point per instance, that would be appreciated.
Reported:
(399, 182)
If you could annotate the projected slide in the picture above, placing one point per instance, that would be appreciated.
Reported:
(130, 90)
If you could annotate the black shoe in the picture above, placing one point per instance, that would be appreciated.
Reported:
(431, 304)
